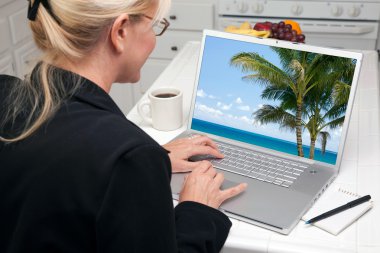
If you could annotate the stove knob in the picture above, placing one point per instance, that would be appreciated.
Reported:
(297, 9)
(354, 11)
(242, 6)
(336, 10)
(257, 7)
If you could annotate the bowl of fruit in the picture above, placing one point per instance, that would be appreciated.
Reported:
(284, 30)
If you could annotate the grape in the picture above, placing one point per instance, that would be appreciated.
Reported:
(300, 38)
(288, 36)
(274, 27)
(284, 31)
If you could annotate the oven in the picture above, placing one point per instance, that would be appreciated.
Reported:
(335, 23)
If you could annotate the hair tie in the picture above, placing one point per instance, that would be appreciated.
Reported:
(33, 9)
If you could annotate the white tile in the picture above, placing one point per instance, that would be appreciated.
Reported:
(347, 172)
(368, 249)
(247, 238)
(369, 99)
(368, 65)
(369, 123)
(370, 59)
(368, 228)
(368, 225)
(368, 79)
(316, 244)
(350, 150)
(235, 224)
(368, 232)
(355, 110)
(369, 150)
(369, 181)
(353, 130)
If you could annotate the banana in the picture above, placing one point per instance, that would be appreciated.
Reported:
(251, 32)
(245, 25)
(231, 28)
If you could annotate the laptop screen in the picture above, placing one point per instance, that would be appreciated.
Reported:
(287, 100)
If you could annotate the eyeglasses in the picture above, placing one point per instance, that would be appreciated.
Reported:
(160, 26)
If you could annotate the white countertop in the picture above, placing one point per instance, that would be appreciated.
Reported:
(360, 171)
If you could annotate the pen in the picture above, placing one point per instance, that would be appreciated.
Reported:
(339, 209)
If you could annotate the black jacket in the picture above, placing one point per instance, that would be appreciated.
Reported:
(90, 180)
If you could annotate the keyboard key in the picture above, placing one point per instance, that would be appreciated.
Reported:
(259, 166)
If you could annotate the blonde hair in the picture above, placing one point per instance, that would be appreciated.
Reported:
(71, 29)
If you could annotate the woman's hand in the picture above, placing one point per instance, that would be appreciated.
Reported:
(182, 149)
(203, 186)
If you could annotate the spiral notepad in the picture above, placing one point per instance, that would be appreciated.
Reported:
(331, 199)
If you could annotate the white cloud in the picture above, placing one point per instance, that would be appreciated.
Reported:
(244, 108)
(238, 101)
(201, 93)
(338, 131)
(224, 107)
(209, 110)
(247, 120)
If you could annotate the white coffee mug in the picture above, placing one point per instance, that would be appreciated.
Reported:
(165, 107)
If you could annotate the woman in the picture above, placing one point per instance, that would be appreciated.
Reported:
(76, 175)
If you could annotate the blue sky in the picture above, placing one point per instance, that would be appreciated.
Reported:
(224, 98)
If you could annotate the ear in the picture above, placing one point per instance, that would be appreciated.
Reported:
(119, 32)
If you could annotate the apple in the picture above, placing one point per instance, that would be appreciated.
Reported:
(263, 26)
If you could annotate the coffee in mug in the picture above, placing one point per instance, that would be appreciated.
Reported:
(165, 106)
(165, 95)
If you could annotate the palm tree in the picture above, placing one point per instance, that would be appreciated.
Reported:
(326, 104)
(294, 79)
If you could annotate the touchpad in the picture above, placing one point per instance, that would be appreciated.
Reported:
(177, 182)
(228, 184)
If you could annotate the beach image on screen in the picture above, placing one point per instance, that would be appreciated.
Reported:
(282, 99)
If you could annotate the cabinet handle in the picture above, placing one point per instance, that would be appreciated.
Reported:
(174, 48)
(173, 17)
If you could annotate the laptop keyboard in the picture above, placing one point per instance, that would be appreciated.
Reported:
(259, 166)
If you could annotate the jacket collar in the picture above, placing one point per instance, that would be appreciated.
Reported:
(92, 94)
(88, 92)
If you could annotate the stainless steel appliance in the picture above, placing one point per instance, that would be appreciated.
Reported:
(335, 23)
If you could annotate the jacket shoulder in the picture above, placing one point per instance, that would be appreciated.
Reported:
(6, 82)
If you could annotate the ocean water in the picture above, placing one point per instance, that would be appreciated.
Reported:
(261, 140)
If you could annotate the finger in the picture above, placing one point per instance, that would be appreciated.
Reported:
(203, 167)
(218, 179)
(204, 140)
(186, 166)
(233, 191)
(211, 172)
(193, 136)
(205, 150)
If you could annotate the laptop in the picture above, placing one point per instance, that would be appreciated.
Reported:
(279, 111)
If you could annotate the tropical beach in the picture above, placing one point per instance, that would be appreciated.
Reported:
(288, 100)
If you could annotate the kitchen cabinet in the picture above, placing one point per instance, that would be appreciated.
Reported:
(18, 52)
(6, 65)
